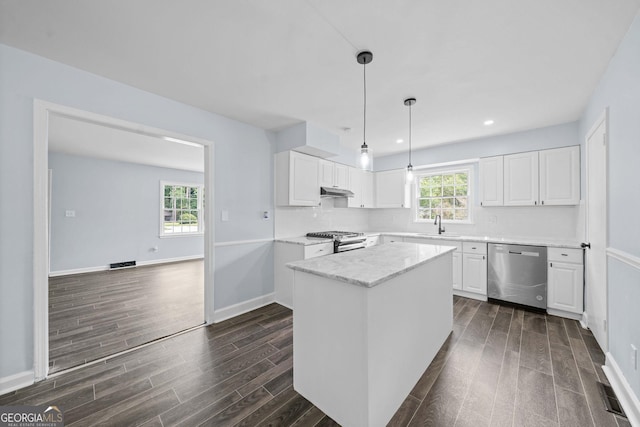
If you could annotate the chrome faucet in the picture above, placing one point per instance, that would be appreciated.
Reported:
(438, 222)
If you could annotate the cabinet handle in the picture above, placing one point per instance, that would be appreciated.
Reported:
(480, 203)
(535, 202)
(550, 264)
(564, 254)
(542, 202)
(482, 256)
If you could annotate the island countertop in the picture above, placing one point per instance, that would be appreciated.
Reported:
(371, 266)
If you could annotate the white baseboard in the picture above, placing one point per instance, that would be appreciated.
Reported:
(241, 308)
(585, 321)
(624, 392)
(567, 314)
(16, 381)
(471, 295)
(138, 263)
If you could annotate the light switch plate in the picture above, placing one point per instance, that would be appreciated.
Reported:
(70, 214)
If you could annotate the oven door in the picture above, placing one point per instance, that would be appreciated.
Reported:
(348, 246)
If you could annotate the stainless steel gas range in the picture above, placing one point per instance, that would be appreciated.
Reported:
(342, 240)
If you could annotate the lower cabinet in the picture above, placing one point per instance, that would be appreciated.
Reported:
(283, 276)
(457, 256)
(565, 281)
(474, 268)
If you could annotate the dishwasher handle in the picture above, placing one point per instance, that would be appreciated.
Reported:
(524, 253)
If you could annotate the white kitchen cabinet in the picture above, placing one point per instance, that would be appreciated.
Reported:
(297, 179)
(372, 241)
(367, 190)
(560, 176)
(391, 189)
(331, 174)
(474, 268)
(521, 179)
(361, 183)
(457, 270)
(565, 282)
(325, 173)
(283, 276)
(457, 255)
(491, 181)
(355, 185)
(340, 176)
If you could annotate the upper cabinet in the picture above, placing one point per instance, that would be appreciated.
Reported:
(521, 179)
(331, 174)
(391, 189)
(361, 183)
(560, 176)
(547, 177)
(297, 179)
(491, 181)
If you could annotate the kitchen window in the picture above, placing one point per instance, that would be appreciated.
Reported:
(181, 209)
(444, 193)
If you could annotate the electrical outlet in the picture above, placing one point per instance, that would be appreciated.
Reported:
(70, 214)
(634, 357)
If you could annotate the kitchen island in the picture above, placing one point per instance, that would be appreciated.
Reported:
(366, 325)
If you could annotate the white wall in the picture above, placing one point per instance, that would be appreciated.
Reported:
(243, 182)
(117, 213)
(619, 90)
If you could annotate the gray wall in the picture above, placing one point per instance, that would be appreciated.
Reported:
(243, 182)
(619, 89)
(117, 208)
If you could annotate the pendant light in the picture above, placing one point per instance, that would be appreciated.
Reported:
(365, 57)
(409, 102)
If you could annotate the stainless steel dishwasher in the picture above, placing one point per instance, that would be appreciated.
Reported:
(518, 274)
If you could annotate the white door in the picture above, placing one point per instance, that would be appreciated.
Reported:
(596, 232)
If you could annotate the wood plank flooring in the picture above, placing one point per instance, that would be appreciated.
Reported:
(94, 315)
(499, 367)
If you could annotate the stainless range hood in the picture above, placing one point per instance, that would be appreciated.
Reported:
(335, 192)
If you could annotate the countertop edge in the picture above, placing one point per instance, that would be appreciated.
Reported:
(367, 284)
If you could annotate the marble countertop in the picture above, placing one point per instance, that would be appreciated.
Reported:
(556, 243)
(371, 266)
(305, 241)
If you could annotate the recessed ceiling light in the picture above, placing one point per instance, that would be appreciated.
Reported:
(488, 122)
(399, 141)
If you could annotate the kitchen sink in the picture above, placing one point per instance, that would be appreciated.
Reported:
(443, 235)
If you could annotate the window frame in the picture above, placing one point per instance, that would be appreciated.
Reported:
(200, 209)
(445, 170)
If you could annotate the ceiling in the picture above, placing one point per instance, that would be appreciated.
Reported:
(89, 139)
(275, 63)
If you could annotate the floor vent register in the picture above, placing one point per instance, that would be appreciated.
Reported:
(611, 402)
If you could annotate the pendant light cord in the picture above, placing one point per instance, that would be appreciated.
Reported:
(409, 134)
(364, 127)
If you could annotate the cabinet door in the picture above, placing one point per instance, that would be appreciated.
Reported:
(367, 190)
(340, 176)
(491, 181)
(474, 273)
(391, 189)
(457, 270)
(521, 179)
(355, 185)
(564, 287)
(303, 180)
(560, 176)
(325, 173)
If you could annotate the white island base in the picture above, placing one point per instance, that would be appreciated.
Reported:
(358, 351)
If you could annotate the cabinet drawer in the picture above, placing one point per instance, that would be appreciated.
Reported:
(565, 255)
(474, 248)
(372, 241)
(313, 251)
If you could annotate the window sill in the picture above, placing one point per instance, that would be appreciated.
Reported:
(171, 236)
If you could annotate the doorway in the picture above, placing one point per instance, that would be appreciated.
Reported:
(597, 231)
(44, 113)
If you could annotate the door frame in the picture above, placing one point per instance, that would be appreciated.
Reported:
(602, 118)
(42, 110)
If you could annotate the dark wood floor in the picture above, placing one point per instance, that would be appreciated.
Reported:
(94, 315)
(499, 367)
